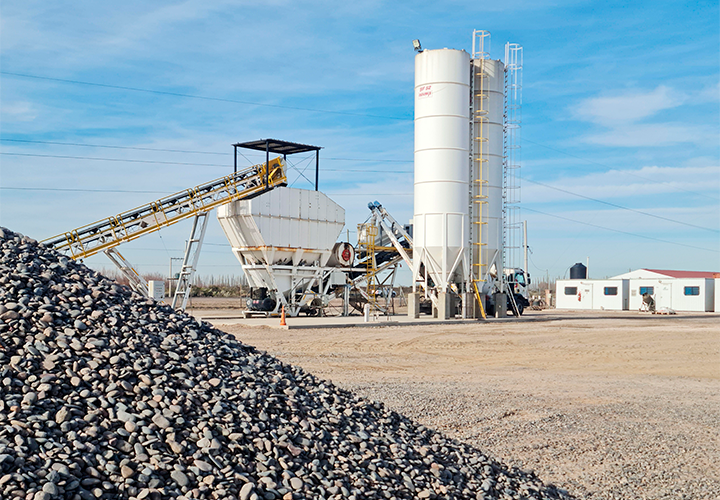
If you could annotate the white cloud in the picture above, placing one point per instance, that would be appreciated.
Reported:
(699, 181)
(651, 134)
(17, 111)
(626, 108)
(633, 222)
(711, 93)
(627, 118)
(150, 24)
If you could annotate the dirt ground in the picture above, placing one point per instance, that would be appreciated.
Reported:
(605, 405)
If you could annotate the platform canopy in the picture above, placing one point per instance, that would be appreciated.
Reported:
(284, 148)
(278, 147)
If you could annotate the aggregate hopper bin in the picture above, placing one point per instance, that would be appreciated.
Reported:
(284, 240)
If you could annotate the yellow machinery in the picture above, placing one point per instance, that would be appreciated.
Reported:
(106, 234)
(381, 257)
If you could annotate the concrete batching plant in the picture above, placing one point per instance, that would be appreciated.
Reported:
(467, 119)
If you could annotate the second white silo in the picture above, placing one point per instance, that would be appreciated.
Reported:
(488, 152)
(442, 173)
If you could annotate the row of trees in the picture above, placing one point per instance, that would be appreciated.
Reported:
(203, 286)
(232, 285)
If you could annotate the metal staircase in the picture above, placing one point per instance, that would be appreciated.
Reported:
(369, 231)
(189, 265)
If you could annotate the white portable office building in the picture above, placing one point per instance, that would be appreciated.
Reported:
(677, 290)
(610, 294)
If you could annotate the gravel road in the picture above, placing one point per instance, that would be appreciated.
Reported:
(607, 407)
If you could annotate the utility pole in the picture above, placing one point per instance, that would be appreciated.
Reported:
(525, 248)
(587, 268)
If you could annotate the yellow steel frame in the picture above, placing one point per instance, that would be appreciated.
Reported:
(370, 231)
(127, 226)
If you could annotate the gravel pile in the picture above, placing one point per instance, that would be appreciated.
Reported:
(106, 394)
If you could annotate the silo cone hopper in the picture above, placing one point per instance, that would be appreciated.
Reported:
(285, 241)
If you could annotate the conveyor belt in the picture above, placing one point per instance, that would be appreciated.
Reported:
(127, 226)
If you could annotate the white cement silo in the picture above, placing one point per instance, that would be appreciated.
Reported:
(489, 80)
(442, 166)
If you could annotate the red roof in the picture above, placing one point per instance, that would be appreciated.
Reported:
(685, 274)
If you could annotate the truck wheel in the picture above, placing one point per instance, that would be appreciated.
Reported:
(520, 308)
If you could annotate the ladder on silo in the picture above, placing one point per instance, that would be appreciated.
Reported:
(480, 126)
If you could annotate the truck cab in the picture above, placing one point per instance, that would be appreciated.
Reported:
(518, 282)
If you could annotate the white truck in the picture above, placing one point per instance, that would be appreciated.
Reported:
(518, 283)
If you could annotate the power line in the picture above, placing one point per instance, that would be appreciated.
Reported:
(195, 96)
(235, 101)
(90, 158)
(612, 168)
(93, 158)
(188, 151)
(371, 194)
(360, 159)
(116, 159)
(109, 146)
(78, 190)
(620, 206)
(619, 231)
(81, 190)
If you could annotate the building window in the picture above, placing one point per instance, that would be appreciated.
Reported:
(610, 290)
(570, 290)
(646, 289)
(692, 290)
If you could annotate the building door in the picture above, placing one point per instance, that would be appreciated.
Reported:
(585, 292)
(663, 295)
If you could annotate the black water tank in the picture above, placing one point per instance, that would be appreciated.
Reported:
(578, 272)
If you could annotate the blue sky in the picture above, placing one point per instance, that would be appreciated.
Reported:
(620, 104)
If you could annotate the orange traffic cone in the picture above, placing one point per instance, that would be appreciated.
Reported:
(282, 317)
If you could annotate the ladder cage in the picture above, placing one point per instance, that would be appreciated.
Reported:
(512, 123)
